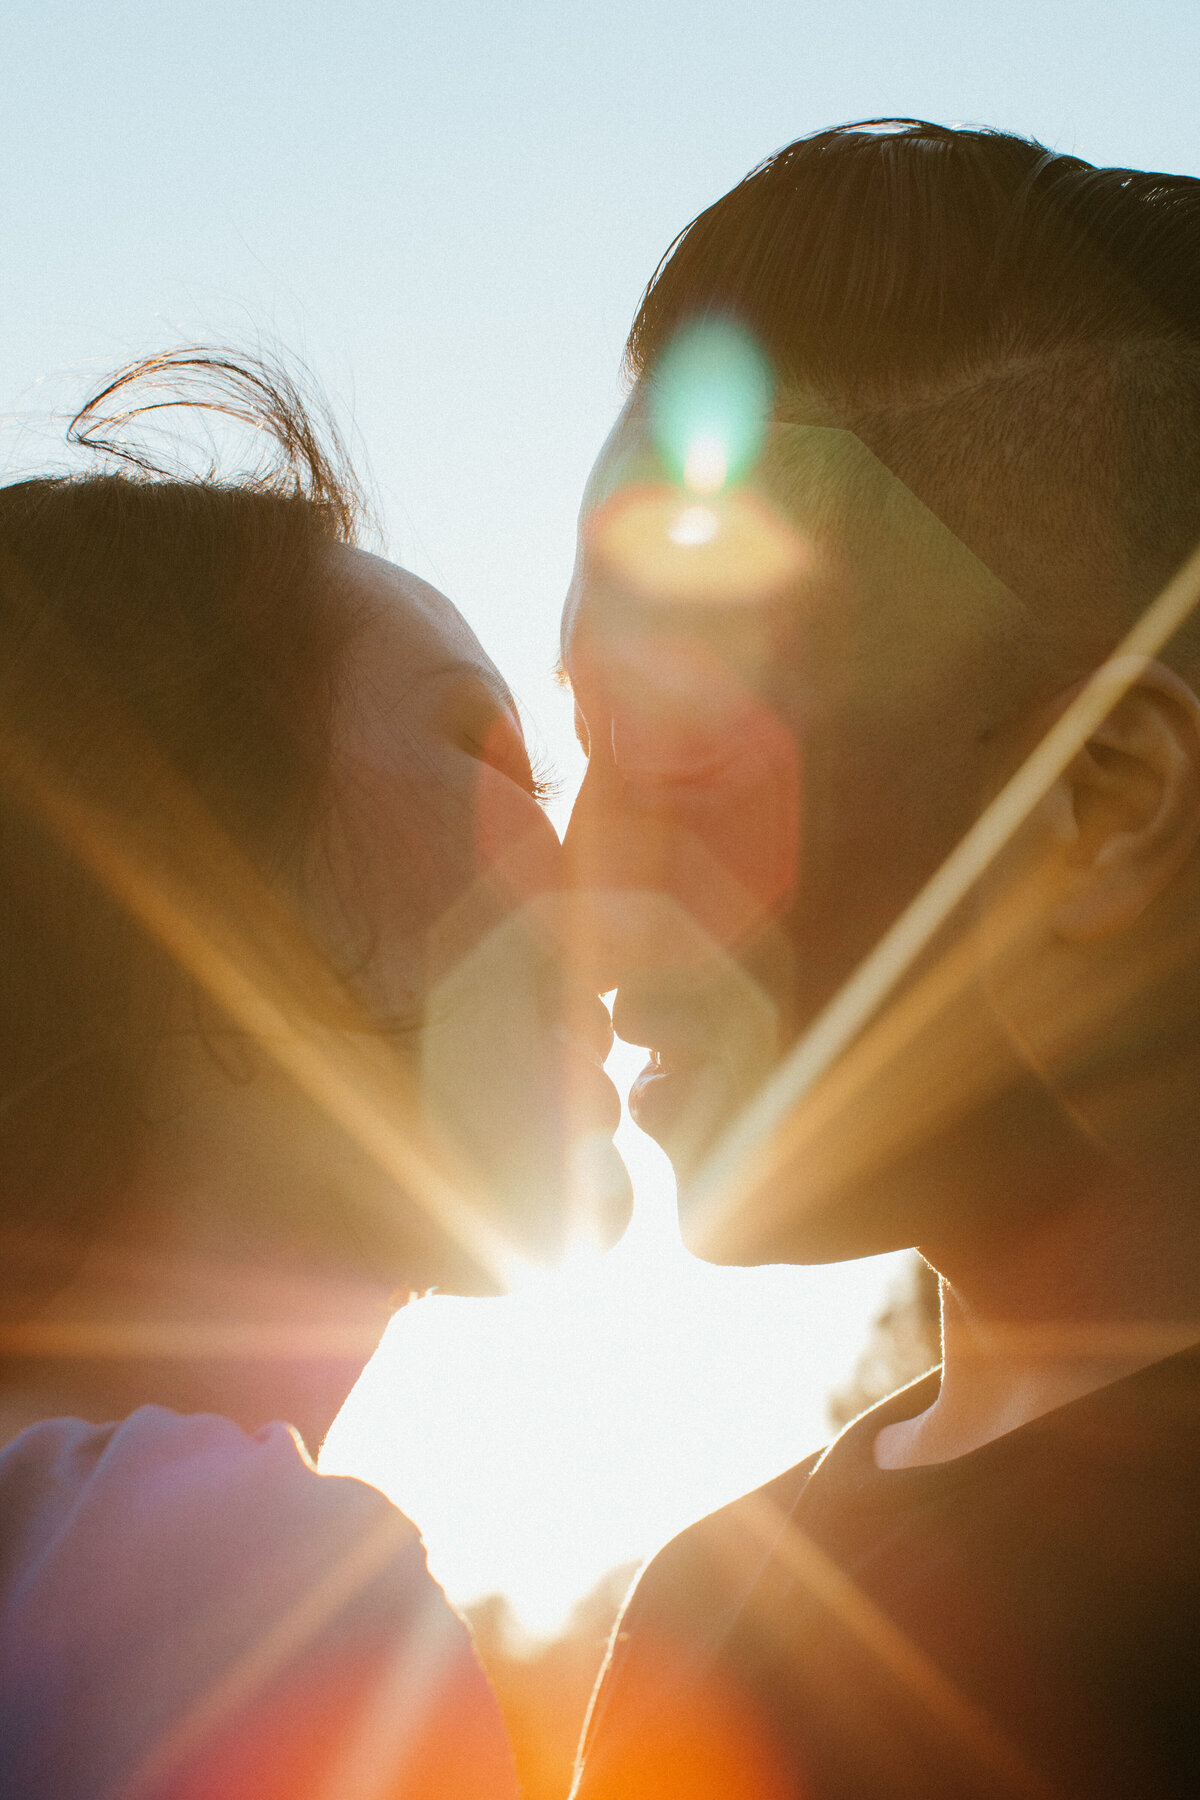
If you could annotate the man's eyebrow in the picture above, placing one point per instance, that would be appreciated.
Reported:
(561, 678)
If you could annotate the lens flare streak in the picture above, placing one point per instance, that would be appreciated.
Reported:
(722, 1185)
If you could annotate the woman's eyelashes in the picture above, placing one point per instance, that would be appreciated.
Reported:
(483, 726)
(547, 784)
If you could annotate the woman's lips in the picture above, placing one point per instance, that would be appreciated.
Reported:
(589, 1097)
(592, 1042)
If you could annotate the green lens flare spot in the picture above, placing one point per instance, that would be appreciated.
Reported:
(710, 400)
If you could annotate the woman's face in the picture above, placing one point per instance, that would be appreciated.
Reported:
(435, 882)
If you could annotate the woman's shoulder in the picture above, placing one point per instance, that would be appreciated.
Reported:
(173, 1586)
(187, 1480)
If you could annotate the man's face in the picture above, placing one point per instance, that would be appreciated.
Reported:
(776, 765)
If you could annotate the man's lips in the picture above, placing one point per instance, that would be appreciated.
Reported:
(669, 1028)
(682, 1106)
(675, 1049)
(645, 1093)
(660, 1068)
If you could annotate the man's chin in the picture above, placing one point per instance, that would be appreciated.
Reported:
(779, 1227)
(804, 1243)
(685, 1109)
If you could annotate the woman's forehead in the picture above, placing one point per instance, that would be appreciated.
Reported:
(403, 624)
(408, 644)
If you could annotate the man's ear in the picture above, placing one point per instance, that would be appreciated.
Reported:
(1128, 807)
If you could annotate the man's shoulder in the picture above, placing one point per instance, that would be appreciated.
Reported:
(780, 1494)
(699, 1580)
(667, 1713)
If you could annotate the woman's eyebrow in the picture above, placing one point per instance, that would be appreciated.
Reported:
(471, 674)
(560, 675)
(501, 693)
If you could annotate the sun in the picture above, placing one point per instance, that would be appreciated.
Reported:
(543, 1439)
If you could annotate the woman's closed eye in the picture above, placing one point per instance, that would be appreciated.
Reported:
(482, 723)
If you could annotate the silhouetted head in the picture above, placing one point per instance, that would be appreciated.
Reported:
(273, 876)
(980, 459)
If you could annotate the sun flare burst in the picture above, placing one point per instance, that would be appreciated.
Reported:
(546, 1438)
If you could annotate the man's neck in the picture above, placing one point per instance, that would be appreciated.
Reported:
(1101, 1291)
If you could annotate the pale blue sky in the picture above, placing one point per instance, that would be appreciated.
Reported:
(450, 211)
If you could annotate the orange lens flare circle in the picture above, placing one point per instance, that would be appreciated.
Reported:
(677, 547)
(690, 1735)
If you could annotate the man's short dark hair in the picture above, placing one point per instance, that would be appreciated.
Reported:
(1015, 332)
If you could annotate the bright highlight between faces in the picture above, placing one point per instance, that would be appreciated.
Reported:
(695, 525)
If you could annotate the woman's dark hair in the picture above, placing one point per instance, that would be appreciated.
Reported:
(1014, 331)
(189, 614)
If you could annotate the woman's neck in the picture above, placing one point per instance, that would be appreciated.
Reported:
(181, 1311)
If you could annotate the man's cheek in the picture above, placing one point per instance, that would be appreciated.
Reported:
(758, 829)
(736, 858)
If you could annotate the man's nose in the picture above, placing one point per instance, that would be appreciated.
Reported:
(612, 861)
(611, 844)
(627, 913)
(669, 883)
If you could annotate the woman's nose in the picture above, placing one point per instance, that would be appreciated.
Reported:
(516, 845)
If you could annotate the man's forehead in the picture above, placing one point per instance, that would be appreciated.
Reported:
(874, 560)
(627, 454)
(631, 451)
